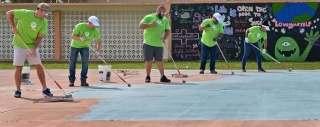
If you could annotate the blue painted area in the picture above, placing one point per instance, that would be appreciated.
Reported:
(291, 10)
(244, 96)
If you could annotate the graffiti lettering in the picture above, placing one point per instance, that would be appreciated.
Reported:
(244, 14)
(256, 14)
(244, 8)
(233, 12)
(291, 25)
(240, 30)
(197, 18)
(228, 30)
(187, 10)
(222, 9)
(261, 9)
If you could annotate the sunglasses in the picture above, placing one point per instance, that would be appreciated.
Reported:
(163, 13)
(42, 10)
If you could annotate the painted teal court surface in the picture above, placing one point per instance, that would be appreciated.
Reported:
(275, 95)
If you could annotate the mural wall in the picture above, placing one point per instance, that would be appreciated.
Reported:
(294, 34)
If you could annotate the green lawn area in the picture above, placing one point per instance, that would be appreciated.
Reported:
(220, 65)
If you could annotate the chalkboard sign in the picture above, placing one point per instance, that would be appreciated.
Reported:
(289, 22)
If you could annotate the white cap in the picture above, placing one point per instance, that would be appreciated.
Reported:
(93, 20)
(267, 27)
(217, 16)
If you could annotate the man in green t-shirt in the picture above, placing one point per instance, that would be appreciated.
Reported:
(31, 28)
(82, 36)
(154, 26)
(212, 33)
(253, 35)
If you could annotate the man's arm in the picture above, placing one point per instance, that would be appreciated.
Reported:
(220, 35)
(201, 28)
(247, 33)
(265, 42)
(145, 26)
(38, 41)
(36, 45)
(166, 34)
(10, 17)
(75, 37)
(98, 44)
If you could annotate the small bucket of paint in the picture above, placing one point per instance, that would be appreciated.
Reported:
(104, 73)
(25, 75)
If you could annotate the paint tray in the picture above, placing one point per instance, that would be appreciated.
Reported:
(179, 75)
(58, 98)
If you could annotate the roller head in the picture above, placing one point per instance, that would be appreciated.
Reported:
(129, 85)
(67, 95)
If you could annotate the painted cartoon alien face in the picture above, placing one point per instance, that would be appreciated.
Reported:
(287, 49)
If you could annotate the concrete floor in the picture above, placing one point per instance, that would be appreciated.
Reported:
(276, 95)
(273, 99)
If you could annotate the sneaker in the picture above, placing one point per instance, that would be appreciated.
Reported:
(201, 72)
(148, 79)
(71, 84)
(261, 70)
(17, 94)
(85, 84)
(244, 70)
(213, 72)
(164, 79)
(47, 92)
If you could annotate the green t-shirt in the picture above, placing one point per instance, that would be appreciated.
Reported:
(256, 34)
(151, 35)
(208, 35)
(28, 28)
(81, 29)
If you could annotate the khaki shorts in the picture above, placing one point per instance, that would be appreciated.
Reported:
(20, 56)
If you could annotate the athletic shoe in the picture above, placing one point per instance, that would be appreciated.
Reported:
(244, 70)
(17, 94)
(201, 72)
(85, 84)
(71, 84)
(164, 79)
(213, 72)
(47, 92)
(261, 70)
(148, 79)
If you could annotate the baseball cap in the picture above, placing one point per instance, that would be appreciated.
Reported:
(266, 25)
(217, 16)
(44, 7)
(93, 20)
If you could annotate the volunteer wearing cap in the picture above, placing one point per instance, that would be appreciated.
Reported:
(253, 35)
(212, 32)
(82, 36)
(31, 28)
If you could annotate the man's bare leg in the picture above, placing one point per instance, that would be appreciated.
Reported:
(17, 77)
(160, 67)
(148, 67)
(41, 76)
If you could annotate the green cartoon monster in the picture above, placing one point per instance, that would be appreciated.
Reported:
(287, 49)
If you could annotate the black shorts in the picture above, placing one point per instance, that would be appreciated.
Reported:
(152, 53)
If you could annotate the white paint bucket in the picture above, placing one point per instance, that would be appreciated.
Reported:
(25, 75)
(104, 73)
